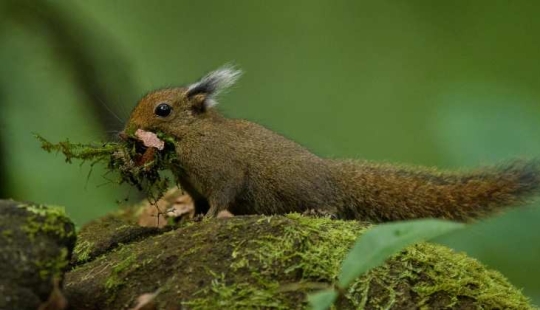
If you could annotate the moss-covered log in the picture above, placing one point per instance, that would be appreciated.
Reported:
(267, 263)
(35, 246)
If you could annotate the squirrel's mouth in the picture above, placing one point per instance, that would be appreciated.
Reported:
(146, 144)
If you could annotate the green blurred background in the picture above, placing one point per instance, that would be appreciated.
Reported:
(450, 84)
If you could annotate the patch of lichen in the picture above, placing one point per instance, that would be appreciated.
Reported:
(274, 262)
(126, 158)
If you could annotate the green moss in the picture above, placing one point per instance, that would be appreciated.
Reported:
(314, 249)
(115, 280)
(7, 234)
(297, 250)
(437, 270)
(300, 250)
(53, 267)
(451, 278)
(51, 220)
(126, 158)
(35, 245)
(47, 219)
(92, 152)
(234, 296)
(274, 262)
(458, 276)
(82, 250)
(123, 227)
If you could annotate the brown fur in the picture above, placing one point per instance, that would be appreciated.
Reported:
(242, 167)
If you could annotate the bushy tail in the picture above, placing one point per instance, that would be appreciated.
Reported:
(383, 192)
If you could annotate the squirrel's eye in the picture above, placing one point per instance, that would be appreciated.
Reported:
(163, 110)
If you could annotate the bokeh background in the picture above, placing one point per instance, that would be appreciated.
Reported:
(452, 84)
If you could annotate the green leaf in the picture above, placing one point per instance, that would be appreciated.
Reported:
(322, 300)
(379, 243)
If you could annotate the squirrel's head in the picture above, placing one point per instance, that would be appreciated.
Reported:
(165, 109)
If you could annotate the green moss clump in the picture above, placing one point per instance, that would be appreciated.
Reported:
(234, 296)
(114, 280)
(50, 220)
(91, 152)
(54, 267)
(107, 234)
(7, 234)
(461, 278)
(439, 278)
(317, 261)
(82, 250)
(130, 159)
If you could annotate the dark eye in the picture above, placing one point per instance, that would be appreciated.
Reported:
(163, 110)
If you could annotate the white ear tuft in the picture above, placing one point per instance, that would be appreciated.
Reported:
(214, 83)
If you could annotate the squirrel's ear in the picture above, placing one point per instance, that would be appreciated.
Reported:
(203, 93)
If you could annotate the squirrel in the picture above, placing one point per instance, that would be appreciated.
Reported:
(241, 167)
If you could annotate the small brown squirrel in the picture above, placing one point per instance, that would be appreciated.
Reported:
(244, 168)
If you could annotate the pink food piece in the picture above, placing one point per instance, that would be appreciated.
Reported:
(150, 139)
